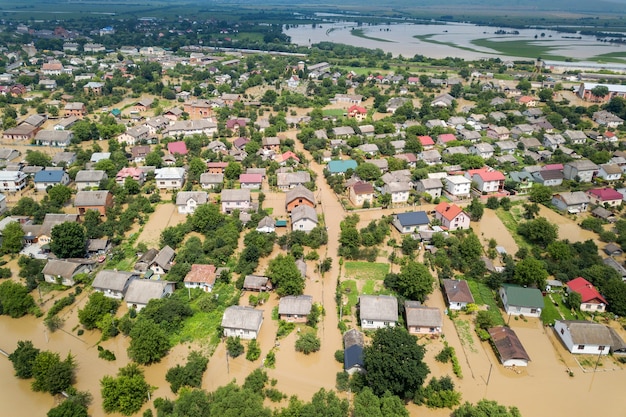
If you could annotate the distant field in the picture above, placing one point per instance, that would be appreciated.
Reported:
(523, 48)
(361, 34)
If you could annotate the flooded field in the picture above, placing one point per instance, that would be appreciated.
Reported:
(452, 39)
(165, 215)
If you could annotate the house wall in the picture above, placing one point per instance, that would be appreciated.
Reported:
(244, 334)
(376, 324)
(424, 330)
(299, 202)
(293, 318)
(169, 183)
(456, 305)
(593, 307)
(514, 362)
(230, 206)
(251, 185)
(611, 203)
(400, 197)
(458, 189)
(118, 295)
(86, 184)
(13, 185)
(305, 225)
(82, 210)
(188, 208)
(202, 285)
(517, 310)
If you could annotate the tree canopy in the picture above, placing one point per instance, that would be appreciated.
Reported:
(414, 282)
(485, 408)
(149, 342)
(126, 393)
(23, 358)
(394, 363)
(68, 240)
(15, 300)
(285, 275)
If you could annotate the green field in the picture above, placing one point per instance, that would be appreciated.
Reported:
(484, 295)
(522, 48)
(366, 270)
(360, 33)
(333, 112)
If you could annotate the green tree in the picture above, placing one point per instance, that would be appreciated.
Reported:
(475, 210)
(368, 171)
(574, 299)
(254, 350)
(600, 91)
(414, 282)
(149, 342)
(189, 375)
(155, 159)
(23, 359)
(394, 363)
(492, 203)
(256, 381)
(530, 271)
(68, 409)
(59, 194)
(232, 171)
(38, 158)
(539, 231)
(366, 404)
(132, 186)
(234, 347)
(126, 393)
(541, 194)
(51, 373)
(68, 240)
(285, 275)
(308, 343)
(15, 300)
(524, 85)
(197, 167)
(327, 404)
(12, 238)
(486, 408)
(96, 308)
(93, 224)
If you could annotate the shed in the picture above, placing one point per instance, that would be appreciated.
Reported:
(508, 347)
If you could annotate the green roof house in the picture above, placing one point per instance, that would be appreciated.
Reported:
(520, 300)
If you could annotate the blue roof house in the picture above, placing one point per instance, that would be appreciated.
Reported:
(50, 178)
(341, 166)
(411, 222)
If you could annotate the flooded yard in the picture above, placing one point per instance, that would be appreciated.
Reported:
(164, 216)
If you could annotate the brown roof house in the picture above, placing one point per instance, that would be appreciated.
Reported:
(201, 276)
(141, 291)
(113, 284)
(422, 320)
(295, 309)
(93, 200)
(243, 322)
(257, 283)
(297, 197)
(457, 293)
(59, 271)
(508, 347)
(163, 261)
(360, 192)
(145, 260)
(377, 311)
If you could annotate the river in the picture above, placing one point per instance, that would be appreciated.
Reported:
(450, 40)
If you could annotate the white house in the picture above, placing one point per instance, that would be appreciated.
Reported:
(584, 337)
(169, 177)
(458, 186)
(457, 293)
(399, 191)
(508, 347)
(451, 216)
(377, 311)
(141, 291)
(113, 284)
(201, 276)
(12, 180)
(243, 322)
(235, 200)
(303, 218)
(188, 201)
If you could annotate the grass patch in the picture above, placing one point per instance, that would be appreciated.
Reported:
(369, 286)
(333, 112)
(366, 270)
(484, 295)
(463, 328)
(550, 313)
(511, 219)
(351, 294)
(363, 70)
(360, 33)
(617, 57)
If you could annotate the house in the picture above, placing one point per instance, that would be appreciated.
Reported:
(201, 276)
(604, 214)
(64, 159)
(55, 138)
(217, 146)
(483, 149)
(210, 181)
(271, 143)
(340, 167)
(548, 177)
(508, 347)
(99, 201)
(266, 225)
(498, 132)
(285, 157)
(44, 232)
(613, 249)
(605, 196)
(257, 283)
(353, 342)
(143, 105)
(575, 137)
(178, 147)
(145, 260)
(610, 172)
(169, 178)
(98, 246)
(235, 200)
(251, 181)
(377, 311)
(411, 222)
(191, 127)
(381, 164)
(134, 135)
(60, 271)
(162, 262)
(521, 301)
(451, 216)
(188, 201)
(8, 154)
(304, 218)
(584, 337)
(49, 178)
(242, 322)
(89, 178)
(99, 156)
(287, 180)
(445, 138)
(141, 291)
(113, 284)
(360, 192)
(295, 309)
(457, 293)
(240, 143)
(357, 112)
(12, 181)
(370, 149)
(297, 197)
(458, 186)
(506, 147)
(430, 186)
(591, 299)
(582, 170)
(76, 109)
(617, 266)
(422, 320)
(216, 167)
(608, 119)
(399, 191)
(572, 202)
(487, 180)
(130, 172)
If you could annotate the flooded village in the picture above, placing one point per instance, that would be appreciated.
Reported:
(325, 231)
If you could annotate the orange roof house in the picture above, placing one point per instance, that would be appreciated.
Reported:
(451, 216)
(201, 276)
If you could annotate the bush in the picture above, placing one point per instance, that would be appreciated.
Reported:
(105, 354)
(342, 382)
(189, 375)
(284, 328)
(270, 360)
(339, 355)
(234, 346)
(274, 395)
(308, 343)
(254, 351)
(445, 355)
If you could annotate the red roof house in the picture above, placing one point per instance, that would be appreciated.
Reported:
(487, 180)
(426, 141)
(251, 180)
(281, 159)
(357, 112)
(451, 216)
(602, 196)
(445, 138)
(592, 300)
(201, 276)
(177, 147)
